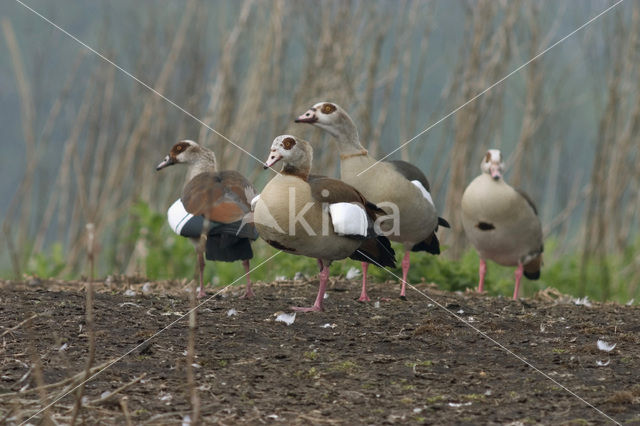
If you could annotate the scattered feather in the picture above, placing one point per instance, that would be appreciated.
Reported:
(22, 379)
(326, 296)
(146, 288)
(85, 400)
(377, 304)
(166, 314)
(471, 319)
(630, 302)
(280, 278)
(273, 416)
(130, 293)
(459, 404)
(286, 318)
(417, 410)
(63, 347)
(105, 394)
(186, 420)
(582, 302)
(129, 304)
(460, 312)
(352, 273)
(165, 397)
(231, 312)
(603, 363)
(298, 276)
(605, 346)
(327, 325)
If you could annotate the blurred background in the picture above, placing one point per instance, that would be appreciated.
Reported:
(81, 139)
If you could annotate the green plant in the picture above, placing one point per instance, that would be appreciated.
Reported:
(168, 255)
(47, 264)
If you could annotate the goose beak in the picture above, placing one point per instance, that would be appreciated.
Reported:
(168, 161)
(273, 159)
(307, 117)
(495, 172)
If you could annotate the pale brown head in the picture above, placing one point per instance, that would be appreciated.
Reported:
(184, 152)
(331, 118)
(295, 153)
(492, 164)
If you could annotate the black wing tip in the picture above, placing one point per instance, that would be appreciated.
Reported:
(532, 275)
(382, 254)
(443, 222)
(388, 257)
(430, 245)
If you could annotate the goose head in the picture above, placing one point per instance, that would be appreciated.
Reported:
(186, 152)
(492, 164)
(331, 118)
(295, 153)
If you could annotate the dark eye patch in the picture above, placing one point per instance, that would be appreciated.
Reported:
(487, 157)
(179, 147)
(328, 108)
(288, 143)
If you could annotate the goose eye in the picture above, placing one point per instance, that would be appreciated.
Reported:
(327, 108)
(288, 143)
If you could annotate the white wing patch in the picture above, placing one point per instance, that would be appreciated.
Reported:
(424, 191)
(177, 216)
(254, 201)
(348, 219)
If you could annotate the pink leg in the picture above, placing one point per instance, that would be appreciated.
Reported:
(317, 306)
(519, 271)
(201, 292)
(363, 294)
(405, 272)
(248, 294)
(482, 271)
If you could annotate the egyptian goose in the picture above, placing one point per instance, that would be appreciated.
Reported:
(398, 187)
(316, 216)
(502, 223)
(221, 199)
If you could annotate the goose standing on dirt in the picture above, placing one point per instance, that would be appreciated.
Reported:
(217, 200)
(398, 187)
(316, 216)
(502, 223)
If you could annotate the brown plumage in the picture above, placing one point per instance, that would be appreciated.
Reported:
(332, 219)
(392, 185)
(219, 197)
(223, 199)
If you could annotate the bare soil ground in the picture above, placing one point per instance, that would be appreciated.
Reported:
(393, 362)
